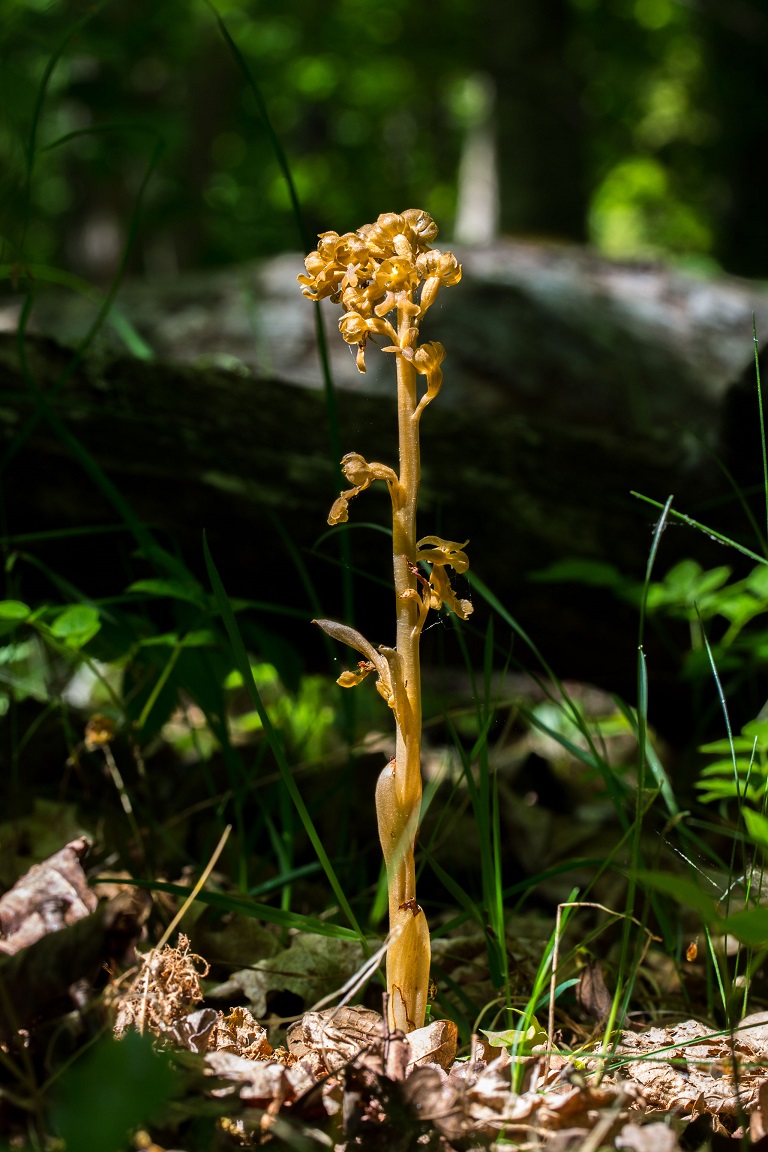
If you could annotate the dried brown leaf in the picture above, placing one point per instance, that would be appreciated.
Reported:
(197, 1030)
(655, 1137)
(436, 1043)
(753, 1030)
(240, 1033)
(48, 897)
(332, 1038)
(312, 967)
(689, 1069)
(37, 980)
(758, 1121)
(591, 992)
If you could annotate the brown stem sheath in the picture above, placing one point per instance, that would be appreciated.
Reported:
(409, 953)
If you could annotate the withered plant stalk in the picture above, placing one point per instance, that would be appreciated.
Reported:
(386, 269)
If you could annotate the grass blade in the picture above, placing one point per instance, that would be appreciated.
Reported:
(244, 667)
(226, 902)
(307, 243)
(762, 415)
(713, 535)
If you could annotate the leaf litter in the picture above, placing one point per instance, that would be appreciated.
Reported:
(343, 1079)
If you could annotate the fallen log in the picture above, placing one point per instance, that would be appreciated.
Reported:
(570, 381)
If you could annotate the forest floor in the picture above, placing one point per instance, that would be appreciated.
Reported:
(341, 1079)
(291, 1051)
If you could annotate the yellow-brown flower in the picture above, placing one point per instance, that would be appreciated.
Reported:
(436, 269)
(380, 269)
(338, 261)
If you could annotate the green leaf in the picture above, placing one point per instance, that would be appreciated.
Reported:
(749, 926)
(715, 790)
(757, 582)
(757, 826)
(76, 625)
(711, 581)
(134, 1082)
(680, 888)
(172, 589)
(687, 584)
(515, 1038)
(596, 573)
(723, 747)
(12, 613)
(14, 610)
(725, 768)
(739, 608)
(683, 577)
(202, 638)
(756, 730)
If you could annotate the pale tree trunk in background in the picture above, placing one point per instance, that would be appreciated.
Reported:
(539, 124)
(478, 198)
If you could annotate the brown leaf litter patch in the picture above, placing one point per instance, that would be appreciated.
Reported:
(55, 939)
(344, 1080)
(688, 1070)
(345, 1073)
(49, 896)
(162, 991)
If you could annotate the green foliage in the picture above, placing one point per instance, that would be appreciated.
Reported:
(191, 678)
(634, 212)
(519, 1042)
(741, 770)
(693, 594)
(367, 112)
(327, 100)
(110, 1090)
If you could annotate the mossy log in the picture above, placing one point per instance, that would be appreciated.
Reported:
(569, 382)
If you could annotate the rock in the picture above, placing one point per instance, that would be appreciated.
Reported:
(569, 382)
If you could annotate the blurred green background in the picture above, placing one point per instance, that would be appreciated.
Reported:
(638, 125)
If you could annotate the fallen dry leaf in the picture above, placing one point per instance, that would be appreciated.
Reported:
(333, 1037)
(240, 1033)
(753, 1029)
(37, 980)
(48, 897)
(263, 1084)
(312, 967)
(591, 992)
(436, 1043)
(687, 1069)
(196, 1030)
(758, 1121)
(655, 1137)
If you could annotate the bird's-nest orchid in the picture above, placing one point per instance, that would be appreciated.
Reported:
(386, 277)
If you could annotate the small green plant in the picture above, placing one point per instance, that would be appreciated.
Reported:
(741, 770)
(388, 269)
(697, 595)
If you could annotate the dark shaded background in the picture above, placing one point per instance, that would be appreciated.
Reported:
(641, 125)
